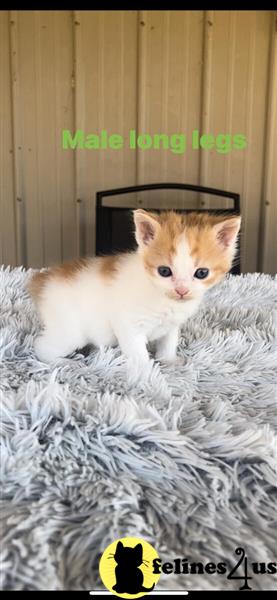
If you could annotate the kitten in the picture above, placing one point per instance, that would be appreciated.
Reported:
(137, 297)
(129, 577)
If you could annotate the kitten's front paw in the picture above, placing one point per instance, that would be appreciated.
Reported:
(138, 371)
(176, 360)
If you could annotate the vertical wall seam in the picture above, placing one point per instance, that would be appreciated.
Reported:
(75, 16)
(15, 204)
(57, 190)
(140, 95)
(206, 97)
(185, 94)
(230, 94)
(138, 75)
(184, 91)
(17, 164)
(271, 94)
(121, 92)
(101, 74)
(249, 121)
(38, 85)
(165, 87)
(201, 105)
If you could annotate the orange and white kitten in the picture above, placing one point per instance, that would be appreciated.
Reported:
(138, 297)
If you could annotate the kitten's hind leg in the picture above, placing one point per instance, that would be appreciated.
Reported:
(49, 347)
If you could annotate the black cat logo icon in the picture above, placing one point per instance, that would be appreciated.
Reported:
(126, 567)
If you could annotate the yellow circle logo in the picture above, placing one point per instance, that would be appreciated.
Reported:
(126, 567)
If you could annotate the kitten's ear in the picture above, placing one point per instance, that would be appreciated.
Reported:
(138, 551)
(226, 231)
(147, 227)
(119, 547)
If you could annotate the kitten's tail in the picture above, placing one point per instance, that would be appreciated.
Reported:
(144, 589)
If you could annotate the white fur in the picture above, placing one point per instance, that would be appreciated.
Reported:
(129, 309)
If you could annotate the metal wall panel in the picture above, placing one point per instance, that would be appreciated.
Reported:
(7, 201)
(161, 72)
(42, 90)
(106, 99)
(170, 75)
(268, 255)
(235, 95)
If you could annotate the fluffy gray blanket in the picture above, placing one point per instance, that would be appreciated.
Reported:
(184, 457)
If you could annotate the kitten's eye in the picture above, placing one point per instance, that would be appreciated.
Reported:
(201, 273)
(164, 271)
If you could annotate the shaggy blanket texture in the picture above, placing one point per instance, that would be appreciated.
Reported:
(184, 457)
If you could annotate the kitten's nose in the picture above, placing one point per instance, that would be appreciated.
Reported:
(182, 290)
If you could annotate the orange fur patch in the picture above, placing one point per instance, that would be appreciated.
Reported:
(65, 271)
(69, 269)
(108, 266)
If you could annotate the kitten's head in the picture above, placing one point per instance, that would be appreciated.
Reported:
(186, 254)
(129, 557)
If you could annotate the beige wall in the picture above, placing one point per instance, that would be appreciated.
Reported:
(158, 72)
